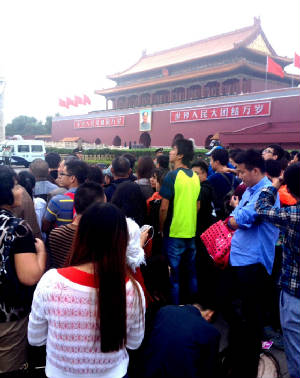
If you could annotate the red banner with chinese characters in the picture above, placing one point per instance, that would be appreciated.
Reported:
(253, 109)
(99, 122)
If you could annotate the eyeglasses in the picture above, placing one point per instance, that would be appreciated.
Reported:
(267, 150)
(64, 174)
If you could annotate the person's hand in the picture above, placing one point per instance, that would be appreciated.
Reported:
(229, 170)
(143, 237)
(277, 182)
(234, 201)
(39, 246)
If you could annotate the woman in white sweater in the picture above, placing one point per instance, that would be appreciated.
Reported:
(89, 313)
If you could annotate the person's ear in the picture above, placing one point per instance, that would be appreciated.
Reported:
(208, 314)
(256, 171)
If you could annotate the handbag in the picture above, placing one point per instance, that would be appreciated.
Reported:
(217, 240)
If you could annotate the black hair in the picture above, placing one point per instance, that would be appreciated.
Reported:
(70, 158)
(7, 182)
(53, 159)
(278, 150)
(145, 167)
(273, 167)
(220, 155)
(160, 174)
(101, 239)
(95, 174)
(27, 180)
(292, 179)
(287, 155)
(283, 163)
(234, 152)
(201, 164)
(293, 153)
(185, 147)
(163, 161)
(252, 159)
(121, 166)
(158, 150)
(129, 198)
(86, 194)
(131, 158)
(77, 168)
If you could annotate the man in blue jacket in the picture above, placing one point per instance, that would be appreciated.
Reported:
(251, 261)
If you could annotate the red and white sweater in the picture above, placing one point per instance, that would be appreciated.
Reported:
(63, 316)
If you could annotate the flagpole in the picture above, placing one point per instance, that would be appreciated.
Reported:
(292, 74)
(266, 79)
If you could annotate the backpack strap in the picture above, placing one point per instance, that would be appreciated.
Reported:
(231, 183)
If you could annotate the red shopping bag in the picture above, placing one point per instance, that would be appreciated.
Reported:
(217, 240)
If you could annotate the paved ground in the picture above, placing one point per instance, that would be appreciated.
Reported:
(221, 325)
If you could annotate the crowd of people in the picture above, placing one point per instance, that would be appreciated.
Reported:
(103, 272)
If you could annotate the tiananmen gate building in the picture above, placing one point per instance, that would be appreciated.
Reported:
(216, 85)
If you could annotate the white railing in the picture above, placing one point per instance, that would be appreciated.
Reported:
(85, 146)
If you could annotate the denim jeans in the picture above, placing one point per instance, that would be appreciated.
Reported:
(175, 248)
(290, 322)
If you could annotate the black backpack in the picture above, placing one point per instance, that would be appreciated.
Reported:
(153, 220)
(226, 208)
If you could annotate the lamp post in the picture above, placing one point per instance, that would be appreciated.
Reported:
(2, 129)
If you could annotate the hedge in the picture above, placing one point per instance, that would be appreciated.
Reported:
(116, 152)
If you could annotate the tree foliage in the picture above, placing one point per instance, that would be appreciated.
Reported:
(24, 125)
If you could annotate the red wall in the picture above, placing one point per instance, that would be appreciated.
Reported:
(283, 109)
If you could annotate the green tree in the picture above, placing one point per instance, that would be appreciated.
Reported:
(24, 125)
(48, 125)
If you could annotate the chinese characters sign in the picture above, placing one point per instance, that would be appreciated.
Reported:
(253, 109)
(99, 122)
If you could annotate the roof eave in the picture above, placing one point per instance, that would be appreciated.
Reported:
(169, 79)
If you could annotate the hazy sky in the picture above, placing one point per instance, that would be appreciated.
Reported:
(50, 49)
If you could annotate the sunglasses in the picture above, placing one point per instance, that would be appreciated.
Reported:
(64, 174)
(268, 151)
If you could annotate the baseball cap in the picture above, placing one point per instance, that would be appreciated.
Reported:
(107, 171)
(213, 149)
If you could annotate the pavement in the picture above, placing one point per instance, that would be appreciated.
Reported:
(279, 354)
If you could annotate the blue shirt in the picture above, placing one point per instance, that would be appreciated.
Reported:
(211, 171)
(43, 187)
(254, 241)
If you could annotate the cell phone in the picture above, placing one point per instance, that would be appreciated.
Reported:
(145, 227)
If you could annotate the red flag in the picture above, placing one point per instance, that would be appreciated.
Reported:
(86, 100)
(165, 72)
(62, 103)
(274, 68)
(78, 101)
(69, 102)
(297, 61)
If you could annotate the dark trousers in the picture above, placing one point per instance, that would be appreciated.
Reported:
(242, 299)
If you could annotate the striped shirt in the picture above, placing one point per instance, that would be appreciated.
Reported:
(64, 317)
(60, 241)
(60, 209)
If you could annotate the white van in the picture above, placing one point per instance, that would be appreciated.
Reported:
(22, 152)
